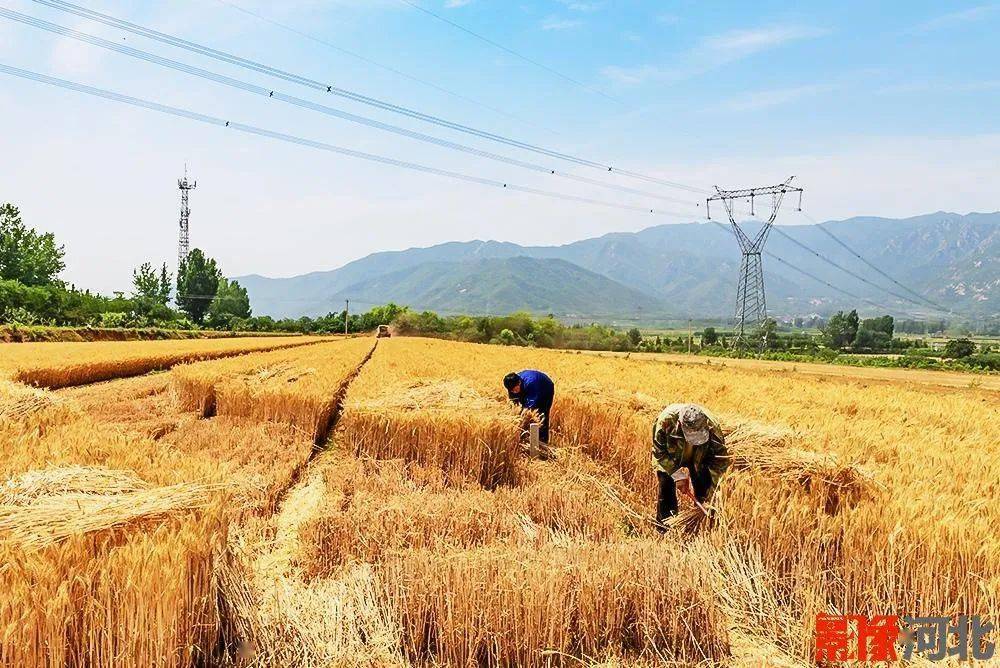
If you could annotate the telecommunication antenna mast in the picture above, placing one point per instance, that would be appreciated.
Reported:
(751, 305)
(183, 241)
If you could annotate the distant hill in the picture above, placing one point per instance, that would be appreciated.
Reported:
(501, 285)
(669, 270)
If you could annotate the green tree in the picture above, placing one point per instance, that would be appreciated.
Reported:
(884, 324)
(959, 348)
(635, 336)
(25, 255)
(841, 329)
(231, 303)
(709, 337)
(507, 338)
(148, 285)
(198, 280)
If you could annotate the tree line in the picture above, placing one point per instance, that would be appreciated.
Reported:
(31, 292)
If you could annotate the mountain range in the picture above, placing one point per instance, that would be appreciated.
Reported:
(674, 271)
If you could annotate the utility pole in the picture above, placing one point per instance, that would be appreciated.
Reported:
(347, 310)
(183, 242)
(751, 306)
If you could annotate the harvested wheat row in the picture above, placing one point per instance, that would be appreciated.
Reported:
(56, 365)
(301, 387)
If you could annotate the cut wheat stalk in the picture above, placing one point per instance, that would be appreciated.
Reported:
(31, 486)
(52, 518)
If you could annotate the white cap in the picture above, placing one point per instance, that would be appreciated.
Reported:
(694, 425)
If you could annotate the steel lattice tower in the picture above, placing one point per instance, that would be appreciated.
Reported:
(183, 241)
(751, 302)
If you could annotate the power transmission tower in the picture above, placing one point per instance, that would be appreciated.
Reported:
(183, 241)
(751, 304)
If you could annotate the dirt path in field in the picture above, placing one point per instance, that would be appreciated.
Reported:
(280, 618)
(300, 505)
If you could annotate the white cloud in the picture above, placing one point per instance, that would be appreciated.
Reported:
(632, 76)
(556, 23)
(941, 87)
(712, 52)
(736, 44)
(951, 19)
(452, 4)
(72, 57)
(577, 6)
(765, 99)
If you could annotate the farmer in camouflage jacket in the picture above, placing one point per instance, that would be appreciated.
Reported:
(687, 436)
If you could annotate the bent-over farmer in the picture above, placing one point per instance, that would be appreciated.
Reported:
(687, 436)
(532, 389)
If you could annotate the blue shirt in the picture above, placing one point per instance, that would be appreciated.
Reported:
(537, 389)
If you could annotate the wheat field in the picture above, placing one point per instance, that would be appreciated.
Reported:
(56, 365)
(354, 504)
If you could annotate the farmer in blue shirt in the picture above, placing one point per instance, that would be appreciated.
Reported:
(532, 389)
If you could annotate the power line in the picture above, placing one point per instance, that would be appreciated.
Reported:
(222, 56)
(813, 276)
(312, 106)
(846, 270)
(853, 252)
(510, 51)
(375, 63)
(262, 132)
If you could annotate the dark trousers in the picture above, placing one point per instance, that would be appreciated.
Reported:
(543, 412)
(666, 503)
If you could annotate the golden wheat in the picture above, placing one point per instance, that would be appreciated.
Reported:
(425, 536)
(56, 365)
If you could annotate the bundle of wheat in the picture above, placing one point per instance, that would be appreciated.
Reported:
(763, 629)
(20, 402)
(769, 449)
(51, 518)
(28, 487)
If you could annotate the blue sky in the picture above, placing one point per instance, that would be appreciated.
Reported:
(877, 108)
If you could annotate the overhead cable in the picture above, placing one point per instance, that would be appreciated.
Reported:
(262, 132)
(877, 269)
(817, 278)
(313, 106)
(846, 270)
(512, 52)
(345, 93)
(375, 63)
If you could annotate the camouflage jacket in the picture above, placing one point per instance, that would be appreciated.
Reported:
(672, 452)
